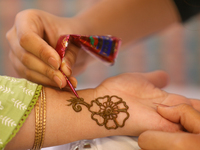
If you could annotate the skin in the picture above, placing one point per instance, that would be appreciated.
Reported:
(34, 35)
(33, 38)
(184, 114)
(139, 91)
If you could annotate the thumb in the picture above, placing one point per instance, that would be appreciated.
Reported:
(184, 114)
(158, 140)
(69, 59)
(157, 78)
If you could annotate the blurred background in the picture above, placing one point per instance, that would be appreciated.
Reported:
(175, 50)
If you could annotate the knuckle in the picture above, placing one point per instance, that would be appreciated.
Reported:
(19, 15)
(28, 74)
(21, 71)
(41, 51)
(24, 59)
(49, 72)
(23, 37)
(184, 107)
(28, 12)
(8, 35)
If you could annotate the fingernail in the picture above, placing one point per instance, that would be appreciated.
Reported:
(53, 63)
(66, 69)
(75, 85)
(162, 105)
(58, 81)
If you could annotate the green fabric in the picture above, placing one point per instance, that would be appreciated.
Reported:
(17, 99)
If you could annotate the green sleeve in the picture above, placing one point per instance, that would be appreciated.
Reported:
(17, 99)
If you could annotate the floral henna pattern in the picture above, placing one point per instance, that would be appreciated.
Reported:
(108, 111)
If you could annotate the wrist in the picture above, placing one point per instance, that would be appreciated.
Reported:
(65, 125)
(73, 25)
(81, 26)
(107, 114)
(90, 123)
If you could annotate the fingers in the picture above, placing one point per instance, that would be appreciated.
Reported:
(196, 104)
(31, 55)
(38, 47)
(155, 140)
(184, 114)
(35, 76)
(30, 29)
(29, 74)
(73, 82)
(158, 78)
(158, 140)
(69, 59)
(30, 63)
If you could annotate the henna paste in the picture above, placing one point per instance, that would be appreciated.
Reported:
(108, 111)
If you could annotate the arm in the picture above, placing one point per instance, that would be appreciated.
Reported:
(139, 92)
(63, 125)
(34, 35)
(130, 20)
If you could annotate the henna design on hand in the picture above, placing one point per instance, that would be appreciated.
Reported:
(108, 111)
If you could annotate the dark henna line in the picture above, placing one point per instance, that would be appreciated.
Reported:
(109, 112)
(75, 102)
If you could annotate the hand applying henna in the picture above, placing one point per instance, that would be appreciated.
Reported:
(104, 48)
(61, 48)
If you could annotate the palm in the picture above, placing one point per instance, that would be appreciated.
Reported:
(139, 94)
(135, 84)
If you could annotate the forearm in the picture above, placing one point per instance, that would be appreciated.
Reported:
(128, 19)
(63, 124)
(70, 125)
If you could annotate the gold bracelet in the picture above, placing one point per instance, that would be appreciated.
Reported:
(44, 118)
(36, 124)
(40, 121)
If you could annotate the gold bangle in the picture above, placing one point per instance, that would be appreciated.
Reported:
(36, 125)
(40, 121)
(44, 118)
